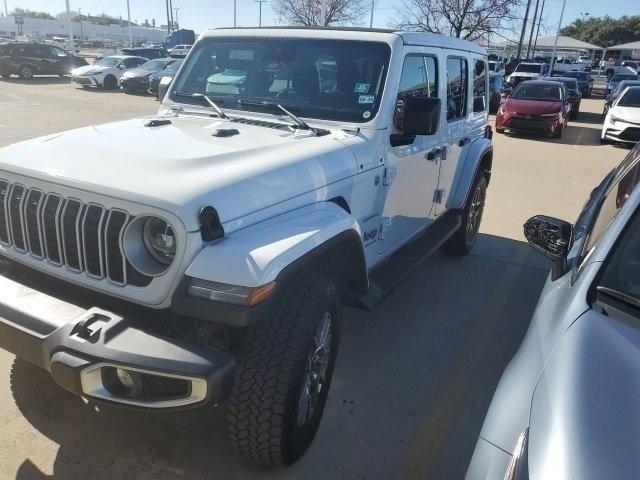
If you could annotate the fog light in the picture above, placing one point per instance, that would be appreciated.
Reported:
(125, 378)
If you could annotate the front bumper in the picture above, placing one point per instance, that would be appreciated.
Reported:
(135, 84)
(84, 81)
(83, 348)
(622, 132)
(521, 123)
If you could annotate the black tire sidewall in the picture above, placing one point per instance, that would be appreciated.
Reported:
(480, 179)
(109, 82)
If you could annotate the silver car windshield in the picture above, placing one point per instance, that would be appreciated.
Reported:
(325, 79)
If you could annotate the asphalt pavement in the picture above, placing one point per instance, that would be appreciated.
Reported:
(413, 379)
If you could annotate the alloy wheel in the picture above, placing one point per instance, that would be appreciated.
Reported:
(475, 213)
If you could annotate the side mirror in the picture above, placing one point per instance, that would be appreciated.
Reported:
(163, 86)
(416, 116)
(479, 104)
(549, 236)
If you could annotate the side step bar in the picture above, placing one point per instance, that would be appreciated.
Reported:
(384, 278)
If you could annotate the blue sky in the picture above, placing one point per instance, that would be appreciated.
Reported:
(202, 14)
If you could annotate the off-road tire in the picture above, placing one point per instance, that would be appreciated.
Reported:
(109, 83)
(459, 244)
(272, 361)
(25, 72)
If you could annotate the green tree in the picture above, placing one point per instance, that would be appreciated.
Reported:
(605, 31)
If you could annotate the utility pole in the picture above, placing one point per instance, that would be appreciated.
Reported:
(6, 10)
(260, 2)
(68, 21)
(535, 42)
(177, 24)
(171, 12)
(555, 44)
(168, 17)
(235, 13)
(524, 27)
(373, 4)
(323, 13)
(533, 25)
(128, 24)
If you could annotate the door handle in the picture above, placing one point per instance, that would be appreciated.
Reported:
(434, 154)
(464, 141)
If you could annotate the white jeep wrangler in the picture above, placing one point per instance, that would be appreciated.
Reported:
(203, 254)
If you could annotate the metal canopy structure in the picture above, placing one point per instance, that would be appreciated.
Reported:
(546, 43)
(626, 46)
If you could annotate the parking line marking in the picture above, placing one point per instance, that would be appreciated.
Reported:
(425, 449)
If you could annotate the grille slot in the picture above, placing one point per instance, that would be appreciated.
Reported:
(64, 232)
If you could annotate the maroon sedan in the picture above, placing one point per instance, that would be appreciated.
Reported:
(535, 106)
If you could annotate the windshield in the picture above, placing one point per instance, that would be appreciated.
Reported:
(529, 68)
(631, 98)
(623, 76)
(571, 84)
(154, 65)
(108, 62)
(329, 79)
(173, 67)
(624, 84)
(579, 75)
(538, 91)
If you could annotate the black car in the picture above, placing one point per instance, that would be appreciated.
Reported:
(585, 82)
(573, 91)
(147, 52)
(137, 80)
(29, 59)
(170, 72)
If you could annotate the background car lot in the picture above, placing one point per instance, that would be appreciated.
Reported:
(412, 382)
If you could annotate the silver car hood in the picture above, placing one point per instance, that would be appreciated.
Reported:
(585, 417)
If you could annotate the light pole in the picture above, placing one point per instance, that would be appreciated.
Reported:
(177, 21)
(129, 25)
(535, 42)
(260, 2)
(166, 2)
(524, 27)
(6, 10)
(373, 4)
(235, 11)
(68, 21)
(555, 44)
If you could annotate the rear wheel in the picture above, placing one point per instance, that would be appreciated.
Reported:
(110, 82)
(25, 72)
(285, 365)
(461, 242)
(558, 133)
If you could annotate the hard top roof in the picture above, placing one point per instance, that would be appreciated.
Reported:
(353, 33)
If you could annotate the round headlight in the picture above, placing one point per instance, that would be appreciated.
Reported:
(159, 240)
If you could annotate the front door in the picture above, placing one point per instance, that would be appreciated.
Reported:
(412, 169)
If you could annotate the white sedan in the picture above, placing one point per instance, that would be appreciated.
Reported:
(179, 50)
(622, 123)
(106, 72)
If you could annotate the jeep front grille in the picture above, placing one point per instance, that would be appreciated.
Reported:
(65, 232)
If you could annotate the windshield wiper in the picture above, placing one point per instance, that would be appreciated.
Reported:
(213, 105)
(620, 295)
(300, 124)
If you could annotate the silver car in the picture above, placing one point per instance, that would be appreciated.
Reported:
(568, 404)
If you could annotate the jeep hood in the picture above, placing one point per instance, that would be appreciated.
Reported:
(182, 167)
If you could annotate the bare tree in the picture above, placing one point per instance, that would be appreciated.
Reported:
(309, 12)
(469, 19)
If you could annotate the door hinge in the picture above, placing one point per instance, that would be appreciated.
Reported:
(438, 195)
(385, 226)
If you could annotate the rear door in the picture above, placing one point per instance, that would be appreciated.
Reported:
(455, 132)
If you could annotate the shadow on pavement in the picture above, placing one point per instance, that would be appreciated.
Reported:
(391, 367)
(40, 80)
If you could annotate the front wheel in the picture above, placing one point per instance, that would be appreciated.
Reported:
(25, 72)
(110, 82)
(462, 241)
(285, 365)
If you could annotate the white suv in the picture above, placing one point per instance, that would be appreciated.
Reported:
(179, 50)
(204, 254)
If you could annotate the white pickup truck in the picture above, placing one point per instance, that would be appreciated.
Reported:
(203, 254)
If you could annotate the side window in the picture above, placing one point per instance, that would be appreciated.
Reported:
(58, 52)
(457, 74)
(419, 78)
(480, 86)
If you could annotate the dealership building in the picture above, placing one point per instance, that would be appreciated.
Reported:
(84, 30)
